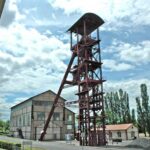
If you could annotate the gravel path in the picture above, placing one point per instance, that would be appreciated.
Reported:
(62, 145)
(140, 143)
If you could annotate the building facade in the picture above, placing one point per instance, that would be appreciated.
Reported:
(122, 131)
(28, 118)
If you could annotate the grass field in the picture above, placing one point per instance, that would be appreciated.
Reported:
(34, 148)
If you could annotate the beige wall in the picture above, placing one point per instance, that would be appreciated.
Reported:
(130, 130)
(21, 118)
(115, 135)
(42, 103)
(125, 134)
(69, 122)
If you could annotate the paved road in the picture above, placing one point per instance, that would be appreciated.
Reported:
(62, 145)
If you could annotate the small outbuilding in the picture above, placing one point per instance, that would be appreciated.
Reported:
(122, 131)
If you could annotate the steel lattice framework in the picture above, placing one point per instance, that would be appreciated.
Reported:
(86, 69)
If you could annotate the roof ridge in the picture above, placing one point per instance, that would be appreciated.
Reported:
(35, 96)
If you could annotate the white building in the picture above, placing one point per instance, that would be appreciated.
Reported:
(122, 131)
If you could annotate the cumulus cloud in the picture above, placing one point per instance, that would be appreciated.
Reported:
(4, 109)
(31, 62)
(5, 106)
(118, 13)
(136, 53)
(27, 56)
(113, 65)
(10, 13)
(132, 87)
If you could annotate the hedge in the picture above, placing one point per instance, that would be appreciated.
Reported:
(116, 140)
(9, 145)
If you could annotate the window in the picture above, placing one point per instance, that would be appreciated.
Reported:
(43, 103)
(13, 121)
(40, 116)
(28, 120)
(132, 134)
(69, 117)
(20, 121)
(69, 127)
(23, 120)
(16, 122)
(56, 116)
(119, 134)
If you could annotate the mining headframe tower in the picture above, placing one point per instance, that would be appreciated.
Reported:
(85, 67)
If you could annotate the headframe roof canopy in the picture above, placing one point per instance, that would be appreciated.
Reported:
(92, 22)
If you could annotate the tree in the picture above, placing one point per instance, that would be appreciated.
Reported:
(133, 119)
(140, 118)
(2, 125)
(143, 110)
(145, 105)
(117, 107)
(7, 125)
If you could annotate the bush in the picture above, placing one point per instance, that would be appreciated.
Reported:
(117, 140)
(9, 145)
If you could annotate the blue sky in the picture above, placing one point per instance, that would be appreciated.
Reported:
(34, 46)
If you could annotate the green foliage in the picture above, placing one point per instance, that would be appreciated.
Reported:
(4, 126)
(34, 148)
(9, 145)
(117, 107)
(133, 118)
(2, 123)
(143, 110)
(7, 125)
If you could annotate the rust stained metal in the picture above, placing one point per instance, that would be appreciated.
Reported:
(85, 66)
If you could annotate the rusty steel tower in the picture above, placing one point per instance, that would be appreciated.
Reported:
(85, 66)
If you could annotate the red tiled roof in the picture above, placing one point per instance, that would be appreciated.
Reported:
(118, 127)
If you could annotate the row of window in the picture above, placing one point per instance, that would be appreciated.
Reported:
(41, 116)
(119, 134)
(56, 116)
(23, 120)
(42, 103)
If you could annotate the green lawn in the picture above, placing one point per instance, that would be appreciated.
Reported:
(34, 148)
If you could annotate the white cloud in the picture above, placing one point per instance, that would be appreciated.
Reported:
(113, 11)
(4, 109)
(137, 53)
(30, 62)
(6, 105)
(31, 59)
(11, 13)
(113, 65)
(131, 86)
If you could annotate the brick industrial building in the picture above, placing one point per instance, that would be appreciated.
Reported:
(28, 118)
